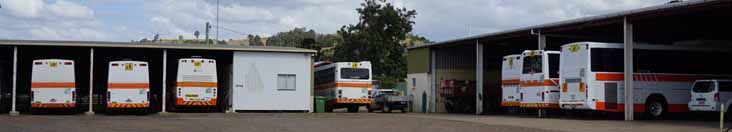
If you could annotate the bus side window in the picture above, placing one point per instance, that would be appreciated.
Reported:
(553, 65)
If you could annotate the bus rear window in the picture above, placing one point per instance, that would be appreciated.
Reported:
(703, 87)
(354, 73)
(532, 64)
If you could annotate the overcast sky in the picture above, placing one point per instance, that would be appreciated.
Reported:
(125, 20)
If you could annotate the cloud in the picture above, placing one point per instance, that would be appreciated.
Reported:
(437, 19)
(22, 8)
(63, 8)
(58, 20)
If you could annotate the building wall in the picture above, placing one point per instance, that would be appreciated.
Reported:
(418, 61)
(418, 84)
(256, 81)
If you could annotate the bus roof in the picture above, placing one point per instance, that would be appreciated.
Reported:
(649, 46)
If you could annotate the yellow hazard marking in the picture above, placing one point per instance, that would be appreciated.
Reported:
(354, 65)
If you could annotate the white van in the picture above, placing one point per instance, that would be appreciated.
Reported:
(707, 95)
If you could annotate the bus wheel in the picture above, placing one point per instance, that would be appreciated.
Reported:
(328, 108)
(655, 108)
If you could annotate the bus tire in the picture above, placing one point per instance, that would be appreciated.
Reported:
(328, 108)
(656, 108)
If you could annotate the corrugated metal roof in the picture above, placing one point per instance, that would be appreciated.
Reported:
(579, 20)
(153, 45)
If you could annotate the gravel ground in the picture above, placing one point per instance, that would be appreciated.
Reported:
(300, 122)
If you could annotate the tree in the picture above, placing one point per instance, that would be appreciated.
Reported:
(257, 41)
(197, 33)
(376, 38)
(156, 37)
(414, 40)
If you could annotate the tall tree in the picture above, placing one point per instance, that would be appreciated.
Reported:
(376, 38)
(197, 33)
(256, 41)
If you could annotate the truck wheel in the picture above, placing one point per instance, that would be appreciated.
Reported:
(352, 109)
(655, 108)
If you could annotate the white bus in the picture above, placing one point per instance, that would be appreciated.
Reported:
(53, 84)
(539, 84)
(592, 76)
(344, 84)
(196, 84)
(510, 75)
(128, 85)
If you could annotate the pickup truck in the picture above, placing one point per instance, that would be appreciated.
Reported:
(387, 100)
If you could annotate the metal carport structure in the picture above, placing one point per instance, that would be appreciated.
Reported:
(681, 22)
(87, 52)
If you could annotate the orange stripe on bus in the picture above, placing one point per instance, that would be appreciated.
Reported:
(349, 85)
(510, 82)
(620, 107)
(650, 77)
(128, 85)
(53, 85)
(196, 84)
(539, 83)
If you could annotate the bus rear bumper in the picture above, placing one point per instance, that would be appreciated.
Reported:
(574, 105)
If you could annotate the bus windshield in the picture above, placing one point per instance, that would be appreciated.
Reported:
(354, 73)
(532, 64)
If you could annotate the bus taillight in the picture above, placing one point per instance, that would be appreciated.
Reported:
(340, 92)
(369, 93)
(716, 97)
(564, 88)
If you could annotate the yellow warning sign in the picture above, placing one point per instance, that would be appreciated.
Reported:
(128, 67)
(510, 62)
(574, 48)
(197, 63)
(53, 64)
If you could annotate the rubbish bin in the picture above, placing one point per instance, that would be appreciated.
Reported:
(319, 104)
